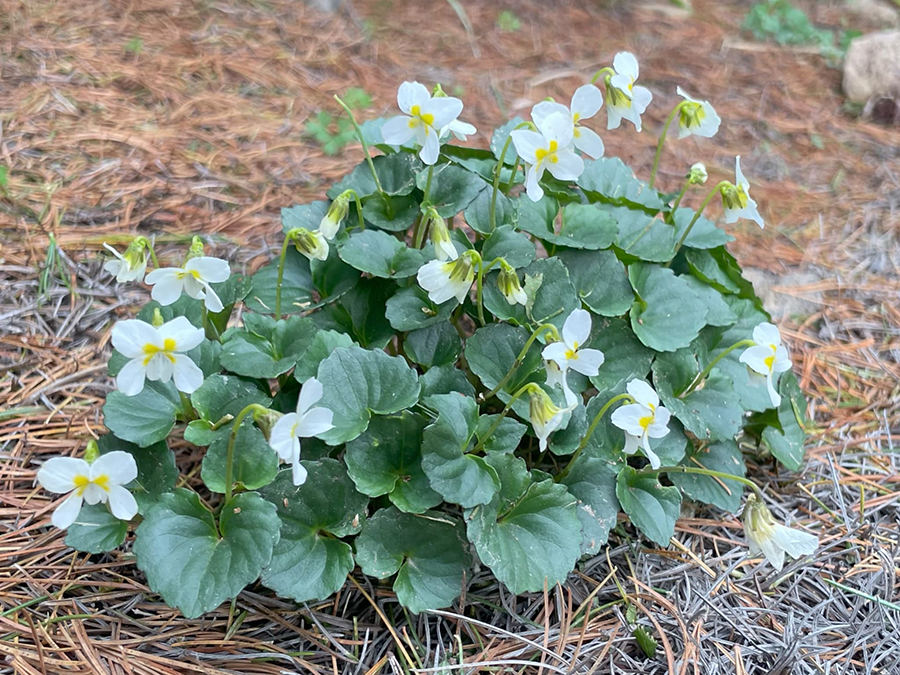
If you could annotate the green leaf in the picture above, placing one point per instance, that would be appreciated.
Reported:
(332, 277)
(653, 509)
(427, 553)
(221, 395)
(200, 433)
(308, 216)
(443, 380)
(146, 418)
(553, 300)
(492, 351)
(296, 288)
(667, 315)
(600, 281)
(787, 444)
(453, 188)
(196, 566)
(387, 460)
(325, 342)
(410, 309)
(725, 494)
(270, 352)
(358, 384)
(614, 182)
(459, 478)
(583, 226)
(436, 345)
(361, 314)
(499, 138)
(642, 235)
(592, 481)
(381, 255)
(626, 358)
(397, 173)
(96, 530)
(255, 462)
(478, 214)
(506, 436)
(157, 472)
(398, 215)
(711, 412)
(512, 246)
(307, 563)
(718, 312)
(530, 538)
(703, 235)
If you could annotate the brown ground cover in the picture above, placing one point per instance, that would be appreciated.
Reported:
(171, 118)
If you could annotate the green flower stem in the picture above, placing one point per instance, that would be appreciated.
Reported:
(703, 205)
(153, 257)
(677, 203)
(288, 238)
(590, 432)
(712, 364)
(512, 176)
(187, 407)
(547, 327)
(498, 169)
(662, 140)
(603, 71)
(365, 146)
(701, 472)
(479, 287)
(229, 456)
(359, 211)
(428, 184)
(515, 397)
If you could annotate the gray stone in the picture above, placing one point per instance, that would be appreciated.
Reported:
(872, 66)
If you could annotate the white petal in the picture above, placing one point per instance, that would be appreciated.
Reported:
(211, 270)
(212, 300)
(58, 474)
(626, 64)
(158, 368)
(532, 182)
(774, 396)
(614, 118)
(709, 127)
(586, 101)
(649, 454)
(183, 332)
(122, 503)
(795, 542)
(298, 472)
(571, 396)
(632, 444)
(628, 418)
(558, 127)
(461, 289)
(544, 109)
(738, 174)
(130, 380)
(587, 362)
(660, 426)
(316, 421)
(193, 288)
(282, 437)
(526, 143)
(167, 286)
(774, 553)
(643, 393)
(397, 130)
(410, 94)
(589, 142)
(310, 394)
(431, 148)
(188, 376)
(94, 494)
(751, 212)
(119, 467)
(130, 336)
(577, 328)
(114, 267)
(755, 358)
(67, 512)
(766, 334)
(433, 275)
(568, 166)
(445, 250)
(684, 95)
(624, 84)
(459, 129)
(444, 108)
(557, 352)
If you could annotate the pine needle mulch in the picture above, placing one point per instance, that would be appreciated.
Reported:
(171, 118)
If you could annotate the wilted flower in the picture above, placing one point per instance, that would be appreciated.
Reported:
(508, 283)
(157, 354)
(545, 416)
(586, 102)
(132, 265)
(312, 244)
(306, 422)
(767, 536)
(425, 118)
(547, 149)
(445, 280)
(642, 420)
(697, 118)
(336, 214)
(767, 357)
(736, 199)
(697, 174)
(194, 279)
(624, 100)
(101, 481)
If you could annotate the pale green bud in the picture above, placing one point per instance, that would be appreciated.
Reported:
(508, 283)
(157, 319)
(265, 420)
(196, 249)
(697, 174)
(91, 451)
(337, 212)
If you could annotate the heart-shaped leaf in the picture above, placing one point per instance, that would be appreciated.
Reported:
(255, 463)
(221, 395)
(667, 315)
(396, 172)
(512, 246)
(410, 309)
(435, 345)
(584, 226)
(146, 418)
(592, 481)
(600, 280)
(787, 444)
(269, 348)
(653, 509)
(453, 188)
(614, 182)
(444, 380)
(96, 530)
(296, 288)
(381, 255)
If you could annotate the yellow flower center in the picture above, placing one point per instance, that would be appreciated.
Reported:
(646, 421)
(151, 350)
(734, 197)
(691, 115)
(82, 482)
(618, 98)
(575, 118)
(418, 116)
(770, 361)
(572, 354)
(548, 154)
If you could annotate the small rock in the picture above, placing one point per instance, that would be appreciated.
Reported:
(872, 66)
(783, 296)
(872, 14)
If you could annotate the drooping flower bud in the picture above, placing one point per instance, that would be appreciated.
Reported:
(91, 451)
(546, 416)
(508, 283)
(132, 265)
(440, 235)
(767, 536)
(266, 420)
(733, 197)
(157, 319)
(337, 212)
(313, 244)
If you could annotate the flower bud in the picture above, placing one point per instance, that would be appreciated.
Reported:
(313, 245)
(697, 174)
(508, 282)
(337, 212)
(265, 420)
(440, 235)
(196, 249)
(545, 416)
(438, 91)
(91, 451)
(157, 319)
(767, 536)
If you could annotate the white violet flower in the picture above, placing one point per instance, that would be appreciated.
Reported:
(768, 357)
(544, 415)
(157, 354)
(737, 200)
(586, 102)
(697, 118)
(132, 265)
(102, 481)
(426, 116)
(570, 353)
(642, 420)
(767, 536)
(460, 130)
(510, 288)
(307, 422)
(440, 236)
(624, 100)
(194, 278)
(445, 280)
(311, 244)
(337, 212)
(547, 150)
